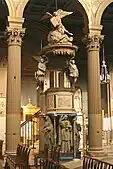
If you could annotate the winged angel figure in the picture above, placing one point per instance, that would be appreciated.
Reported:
(59, 34)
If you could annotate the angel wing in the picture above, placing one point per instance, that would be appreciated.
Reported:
(47, 16)
(36, 58)
(62, 13)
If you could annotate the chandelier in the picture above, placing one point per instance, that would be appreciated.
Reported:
(104, 76)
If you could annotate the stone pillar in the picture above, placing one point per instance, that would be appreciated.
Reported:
(13, 102)
(94, 93)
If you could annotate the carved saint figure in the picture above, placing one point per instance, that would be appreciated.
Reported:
(59, 33)
(66, 134)
(73, 71)
(42, 61)
(48, 132)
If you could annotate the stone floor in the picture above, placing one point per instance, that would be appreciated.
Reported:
(75, 164)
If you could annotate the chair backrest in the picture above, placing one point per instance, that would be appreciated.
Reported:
(27, 156)
(93, 163)
(46, 150)
(53, 150)
(24, 154)
(54, 165)
(57, 154)
(18, 151)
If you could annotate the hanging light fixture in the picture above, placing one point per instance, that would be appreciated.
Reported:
(104, 77)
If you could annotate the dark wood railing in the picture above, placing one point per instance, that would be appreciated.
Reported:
(93, 163)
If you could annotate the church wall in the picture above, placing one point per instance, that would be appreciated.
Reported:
(83, 85)
(3, 80)
(3, 83)
(28, 90)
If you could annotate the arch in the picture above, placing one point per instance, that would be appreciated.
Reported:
(23, 3)
(10, 6)
(101, 9)
(86, 8)
(21, 7)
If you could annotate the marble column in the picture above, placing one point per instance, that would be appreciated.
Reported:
(13, 102)
(94, 93)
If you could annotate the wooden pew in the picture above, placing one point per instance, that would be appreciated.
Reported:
(49, 160)
(20, 160)
(93, 163)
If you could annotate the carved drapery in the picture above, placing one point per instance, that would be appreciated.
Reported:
(15, 35)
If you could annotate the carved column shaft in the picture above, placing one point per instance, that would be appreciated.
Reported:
(13, 105)
(94, 94)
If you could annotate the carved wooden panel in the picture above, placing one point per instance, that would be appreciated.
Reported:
(78, 101)
(64, 102)
(50, 102)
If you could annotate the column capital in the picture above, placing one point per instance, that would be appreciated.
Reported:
(15, 35)
(95, 29)
(93, 41)
(15, 22)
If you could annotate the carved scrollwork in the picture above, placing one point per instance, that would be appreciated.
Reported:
(93, 41)
(15, 35)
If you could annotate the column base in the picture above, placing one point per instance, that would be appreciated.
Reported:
(96, 152)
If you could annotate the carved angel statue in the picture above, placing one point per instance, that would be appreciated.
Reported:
(59, 33)
(42, 61)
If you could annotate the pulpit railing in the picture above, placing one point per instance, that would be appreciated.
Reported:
(30, 130)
